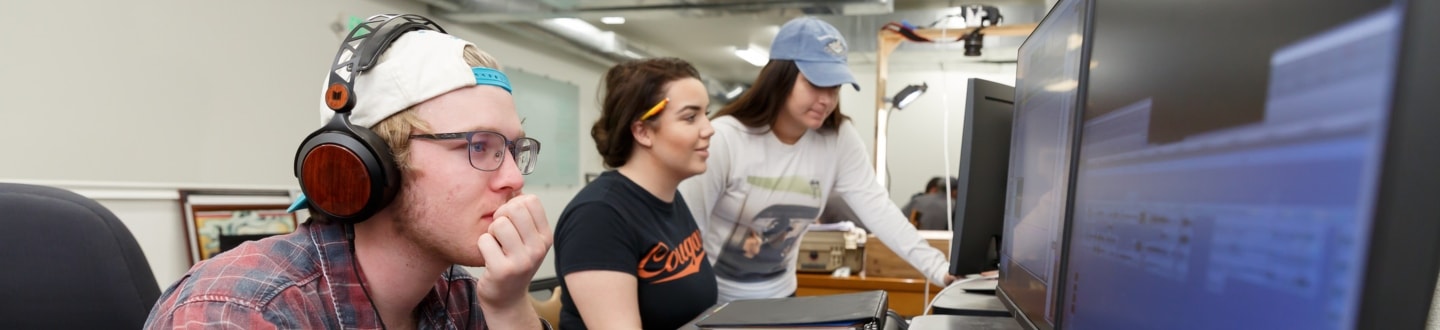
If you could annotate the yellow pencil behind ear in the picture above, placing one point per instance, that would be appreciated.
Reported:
(656, 109)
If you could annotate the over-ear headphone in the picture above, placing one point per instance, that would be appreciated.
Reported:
(348, 172)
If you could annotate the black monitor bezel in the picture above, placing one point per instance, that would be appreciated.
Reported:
(1082, 89)
(1404, 253)
(1082, 94)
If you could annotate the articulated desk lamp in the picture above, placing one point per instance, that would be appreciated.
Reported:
(901, 99)
(908, 95)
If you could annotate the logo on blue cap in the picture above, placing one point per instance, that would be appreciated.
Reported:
(836, 47)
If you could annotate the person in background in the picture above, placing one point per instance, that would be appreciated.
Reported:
(460, 150)
(930, 208)
(627, 250)
(779, 152)
(931, 187)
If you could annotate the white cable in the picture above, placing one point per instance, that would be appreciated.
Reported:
(945, 134)
(945, 152)
(952, 285)
(927, 295)
(887, 143)
(945, 143)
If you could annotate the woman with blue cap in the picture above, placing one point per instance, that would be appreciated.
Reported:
(779, 151)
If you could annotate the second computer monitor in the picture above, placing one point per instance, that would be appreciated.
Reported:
(979, 213)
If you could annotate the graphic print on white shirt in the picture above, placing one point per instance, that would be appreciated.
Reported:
(763, 238)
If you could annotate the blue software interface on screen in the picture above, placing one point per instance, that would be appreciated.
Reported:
(1046, 85)
(1263, 225)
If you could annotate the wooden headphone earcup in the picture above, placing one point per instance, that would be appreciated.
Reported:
(336, 180)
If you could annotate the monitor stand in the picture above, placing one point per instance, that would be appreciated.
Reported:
(945, 322)
(957, 301)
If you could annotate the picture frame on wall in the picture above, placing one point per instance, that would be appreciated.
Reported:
(219, 220)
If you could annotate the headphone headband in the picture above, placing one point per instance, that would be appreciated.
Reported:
(358, 53)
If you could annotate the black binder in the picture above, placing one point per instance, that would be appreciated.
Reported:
(862, 310)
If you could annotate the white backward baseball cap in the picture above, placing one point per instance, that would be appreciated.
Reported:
(418, 66)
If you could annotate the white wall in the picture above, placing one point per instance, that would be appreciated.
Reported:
(163, 94)
(917, 140)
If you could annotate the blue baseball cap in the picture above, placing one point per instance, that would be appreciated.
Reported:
(817, 48)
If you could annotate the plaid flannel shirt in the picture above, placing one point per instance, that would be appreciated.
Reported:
(300, 280)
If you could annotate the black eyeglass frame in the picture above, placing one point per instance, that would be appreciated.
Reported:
(510, 147)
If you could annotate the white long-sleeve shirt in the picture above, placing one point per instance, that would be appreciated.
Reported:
(759, 195)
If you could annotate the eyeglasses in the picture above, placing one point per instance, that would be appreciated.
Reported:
(487, 149)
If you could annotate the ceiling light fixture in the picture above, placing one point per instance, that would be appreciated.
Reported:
(734, 92)
(577, 25)
(612, 20)
(753, 55)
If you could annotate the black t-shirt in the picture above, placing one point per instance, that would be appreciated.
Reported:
(614, 224)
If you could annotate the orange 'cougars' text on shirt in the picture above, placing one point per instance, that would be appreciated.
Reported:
(673, 264)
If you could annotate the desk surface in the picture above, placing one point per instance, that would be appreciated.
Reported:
(945, 322)
(863, 283)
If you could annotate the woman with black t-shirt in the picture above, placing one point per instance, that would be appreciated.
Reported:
(628, 253)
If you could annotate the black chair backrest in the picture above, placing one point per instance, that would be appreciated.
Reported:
(68, 263)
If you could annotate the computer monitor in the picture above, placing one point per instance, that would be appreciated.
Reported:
(1256, 165)
(980, 188)
(1049, 79)
(228, 242)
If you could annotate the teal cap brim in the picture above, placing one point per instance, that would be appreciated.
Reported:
(300, 204)
(492, 77)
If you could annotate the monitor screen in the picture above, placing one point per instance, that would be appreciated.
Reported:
(1228, 164)
(1046, 85)
(228, 242)
(980, 187)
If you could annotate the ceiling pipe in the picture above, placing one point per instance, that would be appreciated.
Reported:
(607, 49)
(614, 49)
(538, 20)
(540, 35)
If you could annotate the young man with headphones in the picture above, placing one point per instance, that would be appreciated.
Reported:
(416, 171)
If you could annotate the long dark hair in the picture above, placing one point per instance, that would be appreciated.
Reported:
(765, 99)
(630, 89)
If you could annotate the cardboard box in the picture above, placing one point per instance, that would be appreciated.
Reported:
(826, 251)
(880, 261)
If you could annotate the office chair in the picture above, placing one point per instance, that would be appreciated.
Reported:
(67, 263)
(549, 309)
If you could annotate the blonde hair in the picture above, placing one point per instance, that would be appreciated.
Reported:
(397, 128)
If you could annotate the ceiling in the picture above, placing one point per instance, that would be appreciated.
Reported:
(707, 32)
